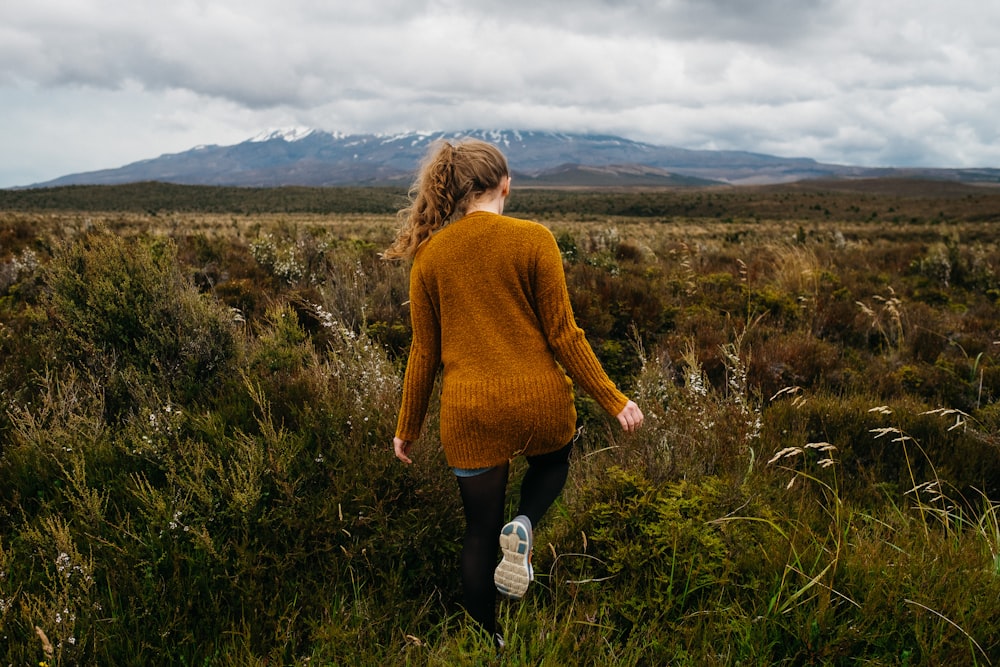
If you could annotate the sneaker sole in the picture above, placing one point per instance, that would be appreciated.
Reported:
(514, 572)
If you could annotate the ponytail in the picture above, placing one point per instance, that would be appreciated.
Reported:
(451, 177)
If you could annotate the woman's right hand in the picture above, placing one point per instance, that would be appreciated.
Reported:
(630, 417)
(402, 449)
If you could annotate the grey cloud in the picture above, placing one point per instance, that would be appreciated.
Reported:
(767, 22)
(849, 81)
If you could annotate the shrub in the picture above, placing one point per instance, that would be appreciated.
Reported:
(243, 532)
(647, 535)
(124, 311)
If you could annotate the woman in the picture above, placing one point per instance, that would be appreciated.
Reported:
(488, 302)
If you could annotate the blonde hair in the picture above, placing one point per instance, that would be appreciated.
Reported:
(451, 177)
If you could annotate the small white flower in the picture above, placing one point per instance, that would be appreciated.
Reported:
(62, 561)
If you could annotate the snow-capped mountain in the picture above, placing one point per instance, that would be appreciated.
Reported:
(288, 134)
(311, 157)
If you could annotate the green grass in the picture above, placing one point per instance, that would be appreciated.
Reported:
(196, 412)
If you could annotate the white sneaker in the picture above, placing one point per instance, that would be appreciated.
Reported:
(514, 572)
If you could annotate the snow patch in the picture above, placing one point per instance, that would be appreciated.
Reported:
(288, 134)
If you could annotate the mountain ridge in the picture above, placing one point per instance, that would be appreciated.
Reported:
(312, 157)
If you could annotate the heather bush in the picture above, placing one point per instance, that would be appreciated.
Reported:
(344, 277)
(245, 532)
(125, 312)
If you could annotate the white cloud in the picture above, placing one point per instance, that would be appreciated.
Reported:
(86, 84)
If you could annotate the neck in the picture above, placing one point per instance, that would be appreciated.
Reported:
(493, 200)
(490, 205)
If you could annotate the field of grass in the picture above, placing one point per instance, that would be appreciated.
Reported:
(198, 393)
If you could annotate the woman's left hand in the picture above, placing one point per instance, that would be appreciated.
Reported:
(630, 417)
(402, 449)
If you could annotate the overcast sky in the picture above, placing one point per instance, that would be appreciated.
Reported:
(92, 84)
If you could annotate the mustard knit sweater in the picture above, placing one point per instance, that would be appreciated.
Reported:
(488, 300)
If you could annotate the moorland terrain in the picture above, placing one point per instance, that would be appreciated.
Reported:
(198, 389)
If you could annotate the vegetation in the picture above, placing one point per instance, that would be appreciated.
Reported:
(196, 407)
(888, 201)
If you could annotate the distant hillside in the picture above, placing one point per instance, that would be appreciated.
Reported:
(318, 158)
(885, 200)
(154, 197)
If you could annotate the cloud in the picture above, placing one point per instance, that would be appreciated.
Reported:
(894, 82)
(768, 22)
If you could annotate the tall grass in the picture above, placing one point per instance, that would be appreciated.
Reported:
(194, 451)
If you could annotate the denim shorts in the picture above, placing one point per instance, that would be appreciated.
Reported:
(471, 472)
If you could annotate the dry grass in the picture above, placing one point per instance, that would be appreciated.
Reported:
(766, 514)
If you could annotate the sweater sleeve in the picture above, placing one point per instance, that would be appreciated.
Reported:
(564, 336)
(423, 362)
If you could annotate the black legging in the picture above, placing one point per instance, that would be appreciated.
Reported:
(483, 498)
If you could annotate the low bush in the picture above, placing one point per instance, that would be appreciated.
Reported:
(125, 312)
